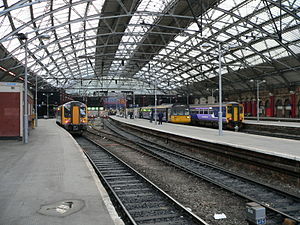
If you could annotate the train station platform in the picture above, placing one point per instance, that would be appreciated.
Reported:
(275, 119)
(50, 181)
(280, 147)
(279, 123)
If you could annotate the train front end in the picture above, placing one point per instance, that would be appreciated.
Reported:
(234, 115)
(180, 114)
(73, 116)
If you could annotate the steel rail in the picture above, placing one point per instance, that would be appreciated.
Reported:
(283, 203)
(138, 199)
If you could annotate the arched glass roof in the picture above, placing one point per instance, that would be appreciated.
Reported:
(131, 44)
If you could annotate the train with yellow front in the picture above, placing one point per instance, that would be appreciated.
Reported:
(72, 116)
(199, 114)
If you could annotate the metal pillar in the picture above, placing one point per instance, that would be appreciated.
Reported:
(25, 118)
(220, 93)
(257, 102)
(155, 102)
(47, 105)
(36, 102)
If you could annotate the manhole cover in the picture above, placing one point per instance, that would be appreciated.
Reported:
(62, 208)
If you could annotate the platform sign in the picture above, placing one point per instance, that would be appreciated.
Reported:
(11, 84)
(114, 102)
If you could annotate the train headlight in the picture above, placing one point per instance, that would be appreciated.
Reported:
(67, 121)
(188, 117)
(83, 120)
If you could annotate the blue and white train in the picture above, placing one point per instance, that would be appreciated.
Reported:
(207, 115)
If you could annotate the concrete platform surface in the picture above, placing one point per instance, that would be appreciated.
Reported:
(50, 172)
(274, 123)
(268, 145)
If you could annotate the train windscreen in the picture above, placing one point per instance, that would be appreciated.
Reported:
(82, 111)
(67, 111)
(180, 111)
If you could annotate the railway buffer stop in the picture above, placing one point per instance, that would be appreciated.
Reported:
(256, 214)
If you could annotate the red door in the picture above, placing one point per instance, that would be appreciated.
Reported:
(9, 114)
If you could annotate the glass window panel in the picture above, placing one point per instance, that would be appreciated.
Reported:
(177, 53)
(295, 48)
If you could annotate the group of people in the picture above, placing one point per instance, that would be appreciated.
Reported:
(160, 116)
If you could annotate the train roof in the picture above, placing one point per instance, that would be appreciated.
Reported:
(179, 105)
(212, 105)
(158, 106)
(74, 103)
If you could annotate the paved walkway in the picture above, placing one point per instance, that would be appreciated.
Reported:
(50, 168)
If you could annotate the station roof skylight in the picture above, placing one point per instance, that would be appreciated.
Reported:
(133, 44)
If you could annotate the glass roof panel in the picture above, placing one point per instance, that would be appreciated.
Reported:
(140, 24)
(74, 25)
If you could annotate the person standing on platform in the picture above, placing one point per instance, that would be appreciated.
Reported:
(151, 115)
(131, 115)
(160, 117)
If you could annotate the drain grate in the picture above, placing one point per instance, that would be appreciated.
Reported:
(62, 208)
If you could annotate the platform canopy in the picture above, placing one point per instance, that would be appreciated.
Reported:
(129, 45)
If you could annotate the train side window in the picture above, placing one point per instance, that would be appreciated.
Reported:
(193, 111)
(215, 112)
(174, 112)
(241, 109)
(205, 112)
(229, 109)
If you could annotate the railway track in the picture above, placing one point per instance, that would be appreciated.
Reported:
(276, 201)
(137, 199)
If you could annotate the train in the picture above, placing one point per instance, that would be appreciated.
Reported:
(199, 114)
(72, 116)
(174, 113)
(207, 115)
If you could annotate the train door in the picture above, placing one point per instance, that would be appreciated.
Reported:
(63, 116)
(75, 114)
(59, 116)
(235, 113)
(168, 114)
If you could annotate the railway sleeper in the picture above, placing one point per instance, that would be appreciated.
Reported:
(128, 194)
(157, 219)
(149, 209)
(151, 204)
